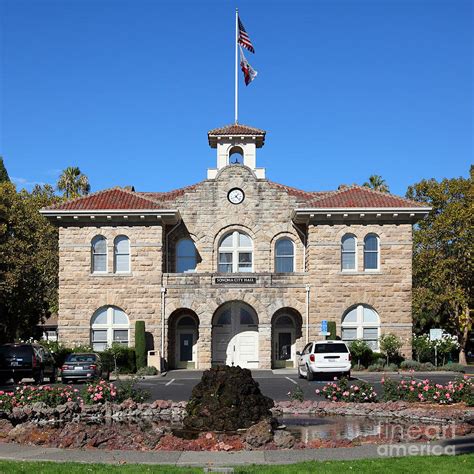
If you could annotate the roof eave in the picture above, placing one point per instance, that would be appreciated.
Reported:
(397, 214)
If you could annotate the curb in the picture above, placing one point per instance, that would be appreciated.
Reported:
(17, 452)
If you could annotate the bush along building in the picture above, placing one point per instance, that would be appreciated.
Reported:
(236, 269)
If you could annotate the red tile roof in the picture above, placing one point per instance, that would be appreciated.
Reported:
(361, 197)
(114, 198)
(236, 129)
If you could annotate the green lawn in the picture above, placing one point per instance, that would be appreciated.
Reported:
(419, 464)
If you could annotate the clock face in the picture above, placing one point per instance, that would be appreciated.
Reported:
(235, 196)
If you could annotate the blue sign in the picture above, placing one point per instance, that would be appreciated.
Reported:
(324, 326)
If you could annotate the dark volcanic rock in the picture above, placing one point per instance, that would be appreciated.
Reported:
(259, 434)
(226, 399)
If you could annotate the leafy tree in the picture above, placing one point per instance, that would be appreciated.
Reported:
(377, 183)
(3, 172)
(361, 352)
(390, 345)
(442, 258)
(28, 261)
(73, 183)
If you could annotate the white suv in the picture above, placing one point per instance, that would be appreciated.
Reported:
(324, 356)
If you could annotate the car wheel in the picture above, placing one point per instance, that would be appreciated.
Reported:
(65, 381)
(39, 377)
(348, 375)
(17, 379)
(310, 375)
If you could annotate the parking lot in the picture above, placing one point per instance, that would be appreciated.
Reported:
(177, 385)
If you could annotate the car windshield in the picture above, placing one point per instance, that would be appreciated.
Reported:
(81, 358)
(326, 348)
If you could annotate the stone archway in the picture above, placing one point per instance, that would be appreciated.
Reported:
(183, 335)
(286, 330)
(235, 335)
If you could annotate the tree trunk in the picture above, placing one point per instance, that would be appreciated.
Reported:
(462, 345)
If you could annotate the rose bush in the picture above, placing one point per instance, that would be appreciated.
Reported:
(52, 396)
(100, 392)
(427, 391)
(341, 391)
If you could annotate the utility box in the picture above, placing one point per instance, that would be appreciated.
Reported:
(154, 360)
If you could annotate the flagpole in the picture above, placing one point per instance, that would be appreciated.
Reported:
(236, 65)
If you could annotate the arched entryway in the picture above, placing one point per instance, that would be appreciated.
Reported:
(183, 334)
(235, 335)
(286, 330)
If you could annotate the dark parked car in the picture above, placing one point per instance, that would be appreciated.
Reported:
(82, 367)
(18, 361)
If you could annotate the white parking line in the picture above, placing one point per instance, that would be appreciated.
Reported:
(170, 382)
(291, 380)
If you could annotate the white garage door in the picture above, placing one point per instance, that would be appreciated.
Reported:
(235, 337)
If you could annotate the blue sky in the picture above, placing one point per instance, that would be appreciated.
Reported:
(127, 90)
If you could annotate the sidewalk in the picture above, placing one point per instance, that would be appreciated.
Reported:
(17, 452)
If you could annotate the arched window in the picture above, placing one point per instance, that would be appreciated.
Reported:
(361, 322)
(122, 254)
(236, 156)
(235, 253)
(348, 252)
(185, 256)
(284, 256)
(108, 325)
(371, 252)
(99, 254)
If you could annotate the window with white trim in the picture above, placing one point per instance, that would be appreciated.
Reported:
(108, 325)
(185, 256)
(99, 254)
(371, 252)
(361, 322)
(284, 256)
(122, 254)
(348, 252)
(235, 253)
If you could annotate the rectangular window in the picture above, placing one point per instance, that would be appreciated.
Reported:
(284, 264)
(99, 339)
(122, 263)
(349, 334)
(370, 260)
(100, 263)
(370, 336)
(245, 261)
(121, 336)
(225, 262)
(348, 260)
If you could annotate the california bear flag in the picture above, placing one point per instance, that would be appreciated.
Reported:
(249, 72)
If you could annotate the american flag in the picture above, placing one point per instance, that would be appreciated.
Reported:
(244, 39)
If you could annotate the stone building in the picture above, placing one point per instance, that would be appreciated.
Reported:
(235, 269)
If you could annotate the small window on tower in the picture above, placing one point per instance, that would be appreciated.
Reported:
(236, 156)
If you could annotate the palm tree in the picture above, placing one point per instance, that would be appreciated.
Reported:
(377, 183)
(73, 182)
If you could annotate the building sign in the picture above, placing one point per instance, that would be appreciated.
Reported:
(436, 334)
(235, 280)
(324, 328)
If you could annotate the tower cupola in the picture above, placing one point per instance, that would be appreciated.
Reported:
(240, 141)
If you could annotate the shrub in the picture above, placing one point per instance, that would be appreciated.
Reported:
(128, 389)
(52, 396)
(375, 367)
(390, 345)
(361, 352)
(427, 367)
(147, 371)
(140, 344)
(332, 331)
(453, 367)
(341, 391)
(410, 365)
(100, 392)
(427, 391)
(377, 358)
(391, 368)
(422, 347)
(296, 395)
(119, 358)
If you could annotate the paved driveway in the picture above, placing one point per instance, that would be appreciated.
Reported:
(177, 384)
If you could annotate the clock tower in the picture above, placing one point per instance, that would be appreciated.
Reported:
(236, 139)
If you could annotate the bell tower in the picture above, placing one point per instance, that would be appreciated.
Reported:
(237, 140)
